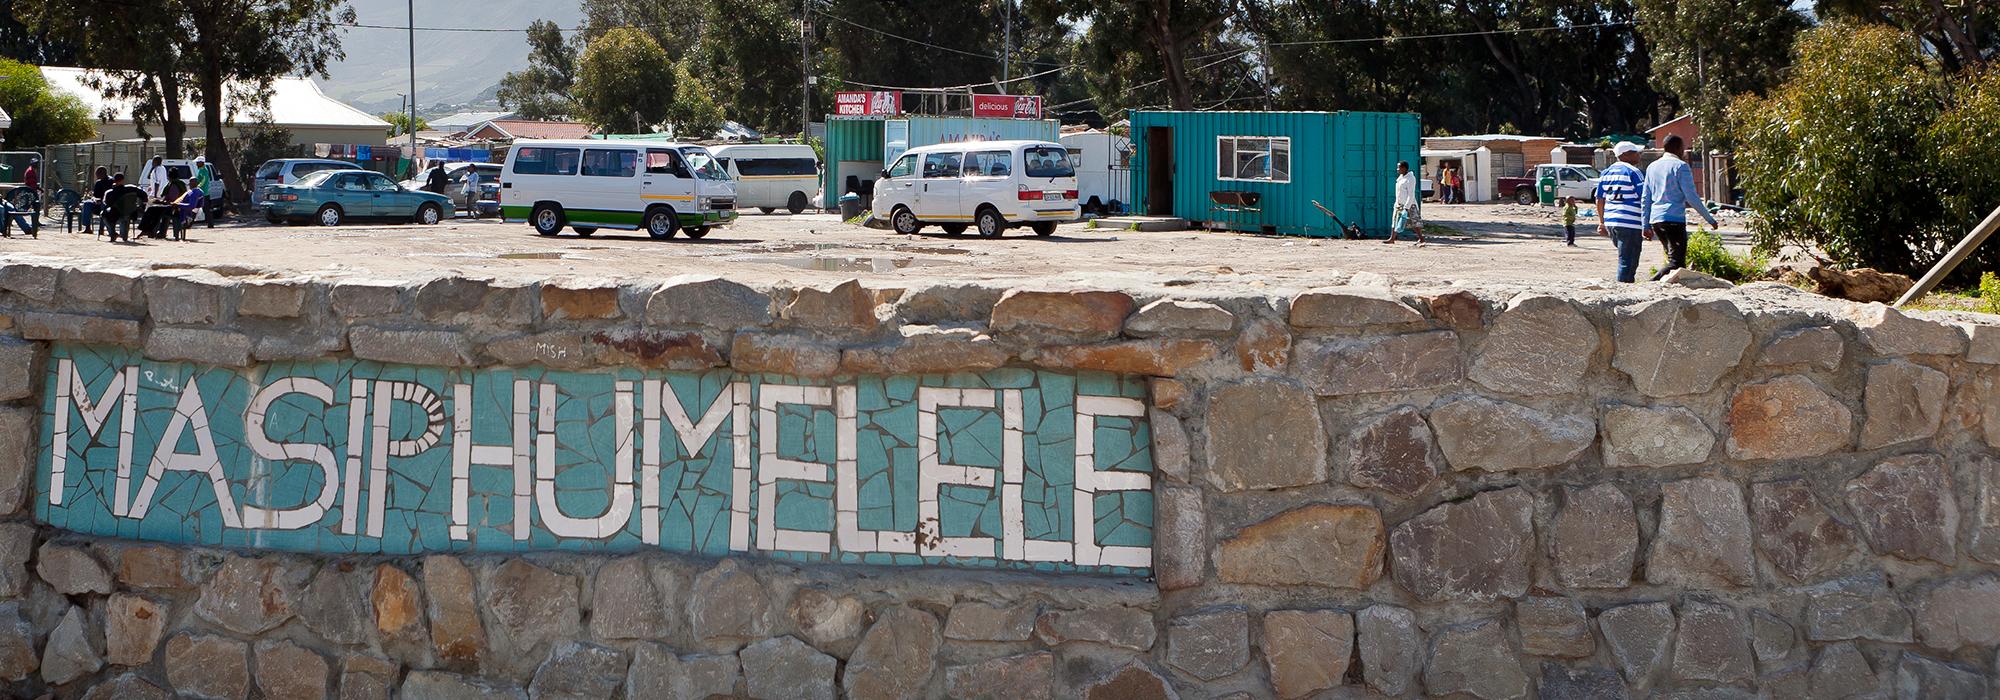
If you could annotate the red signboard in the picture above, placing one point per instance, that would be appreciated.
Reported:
(1011, 106)
(881, 103)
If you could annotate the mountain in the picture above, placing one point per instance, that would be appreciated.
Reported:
(454, 69)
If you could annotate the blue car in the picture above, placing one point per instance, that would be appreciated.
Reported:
(334, 197)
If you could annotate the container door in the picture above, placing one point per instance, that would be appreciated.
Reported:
(1159, 171)
(939, 189)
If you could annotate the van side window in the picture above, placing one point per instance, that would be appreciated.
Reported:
(903, 167)
(609, 162)
(941, 164)
(989, 164)
(661, 161)
(541, 160)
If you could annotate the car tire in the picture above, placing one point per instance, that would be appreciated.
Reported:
(584, 231)
(274, 219)
(954, 229)
(990, 223)
(430, 214)
(330, 215)
(548, 220)
(660, 223)
(1043, 228)
(1524, 196)
(797, 203)
(905, 221)
(766, 210)
(696, 231)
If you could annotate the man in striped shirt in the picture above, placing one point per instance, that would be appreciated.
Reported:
(1621, 215)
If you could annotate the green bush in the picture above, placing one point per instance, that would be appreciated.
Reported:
(1707, 254)
(1989, 290)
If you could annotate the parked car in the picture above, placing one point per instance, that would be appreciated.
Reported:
(279, 171)
(333, 197)
(654, 186)
(989, 185)
(489, 185)
(772, 176)
(1579, 181)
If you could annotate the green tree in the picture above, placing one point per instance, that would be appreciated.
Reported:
(624, 81)
(674, 25)
(399, 124)
(1961, 34)
(153, 81)
(1170, 30)
(543, 89)
(1706, 52)
(693, 114)
(42, 115)
(20, 40)
(750, 51)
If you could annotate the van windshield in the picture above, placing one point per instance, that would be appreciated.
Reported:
(704, 165)
(1047, 161)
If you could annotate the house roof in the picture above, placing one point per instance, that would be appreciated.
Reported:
(529, 129)
(1492, 137)
(295, 102)
(1671, 122)
(463, 121)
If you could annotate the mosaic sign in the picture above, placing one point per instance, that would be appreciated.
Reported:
(1010, 468)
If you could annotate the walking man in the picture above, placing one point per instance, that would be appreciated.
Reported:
(1621, 216)
(1408, 214)
(1669, 193)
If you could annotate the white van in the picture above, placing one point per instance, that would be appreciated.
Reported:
(772, 176)
(990, 185)
(655, 186)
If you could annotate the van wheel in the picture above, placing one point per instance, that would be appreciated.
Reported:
(660, 223)
(953, 229)
(905, 221)
(765, 210)
(329, 215)
(1044, 228)
(990, 223)
(429, 214)
(548, 220)
(695, 231)
(583, 230)
(796, 203)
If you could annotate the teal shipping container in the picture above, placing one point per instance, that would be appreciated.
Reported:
(1346, 161)
(857, 148)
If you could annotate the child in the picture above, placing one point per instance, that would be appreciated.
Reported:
(1569, 221)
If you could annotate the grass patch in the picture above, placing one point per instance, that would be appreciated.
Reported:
(1952, 300)
(1707, 254)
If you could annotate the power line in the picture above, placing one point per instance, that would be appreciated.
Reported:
(946, 90)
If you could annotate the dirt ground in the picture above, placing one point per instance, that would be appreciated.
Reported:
(1501, 242)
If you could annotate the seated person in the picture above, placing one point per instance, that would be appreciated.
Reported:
(122, 205)
(95, 202)
(190, 205)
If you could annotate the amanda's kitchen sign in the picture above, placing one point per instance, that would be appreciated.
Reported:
(1009, 468)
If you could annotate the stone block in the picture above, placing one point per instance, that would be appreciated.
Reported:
(1351, 307)
(1907, 509)
(1903, 402)
(367, 677)
(1958, 612)
(1692, 279)
(657, 673)
(1156, 357)
(36, 282)
(210, 667)
(247, 596)
(827, 621)
(1029, 676)
(1478, 549)
(119, 287)
(1173, 458)
(363, 298)
(991, 622)
(1264, 434)
(191, 298)
(286, 670)
(1813, 347)
(198, 345)
(1180, 538)
(17, 461)
(624, 604)
(579, 670)
(729, 607)
(1787, 418)
(1113, 626)
(669, 350)
(1891, 333)
(785, 667)
(705, 301)
(927, 350)
(336, 605)
(1594, 538)
(1133, 682)
(530, 609)
(1477, 433)
(572, 299)
(73, 651)
(1984, 543)
(1638, 636)
(1393, 453)
(133, 627)
(946, 303)
(1703, 540)
(1476, 659)
(1180, 318)
(398, 604)
(71, 570)
(1459, 310)
(430, 348)
(1060, 317)
(1209, 644)
(279, 348)
(78, 328)
(1920, 677)
(17, 545)
(1796, 533)
(1983, 346)
(1562, 683)
(847, 309)
(1306, 651)
(1771, 638)
(126, 686)
(1654, 436)
(895, 658)
(1556, 627)
(1334, 546)
(1675, 346)
(1713, 644)
(1167, 394)
(1856, 608)
(1263, 345)
(18, 655)
(151, 566)
(1540, 346)
(1378, 364)
(452, 686)
(783, 354)
(1391, 648)
(285, 298)
(18, 370)
(450, 604)
(564, 349)
(1840, 671)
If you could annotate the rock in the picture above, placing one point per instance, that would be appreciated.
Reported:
(1378, 364)
(452, 686)
(1476, 659)
(1864, 285)
(696, 300)
(1393, 453)
(927, 350)
(17, 466)
(1559, 683)
(1315, 545)
(1984, 543)
(1771, 637)
(564, 349)
(729, 607)
(1703, 539)
(1554, 627)
(580, 299)
(1959, 612)
(336, 606)
(1167, 394)
(1180, 538)
(1133, 682)
(624, 604)
(18, 657)
(1062, 317)
(17, 368)
(37, 282)
(1180, 318)
(1172, 458)
(1540, 346)
(247, 596)
(399, 612)
(287, 670)
(185, 298)
(1391, 648)
(1659, 436)
(1688, 277)
(895, 658)
(1029, 676)
(1816, 346)
(301, 346)
(1903, 403)
(1983, 346)
(127, 686)
(947, 303)
(284, 298)
(367, 677)
(17, 544)
(1713, 644)
(784, 668)
(1856, 608)
(1477, 549)
(657, 673)
(1890, 333)
(1306, 651)
(987, 622)
(1796, 533)
(1155, 357)
(151, 566)
(846, 309)
(1351, 307)
(781, 353)
(216, 668)
(1674, 346)
(1264, 344)
(1922, 677)
(1841, 671)
(1638, 636)
(1786, 418)
(1460, 310)
(1114, 626)
(361, 298)
(427, 348)
(1264, 434)
(456, 632)
(133, 627)
(1480, 433)
(73, 651)
(1594, 538)
(198, 345)
(72, 570)
(529, 608)
(1209, 644)
(1906, 508)
(579, 670)
(118, 287)
(826, 621)
(75, 328)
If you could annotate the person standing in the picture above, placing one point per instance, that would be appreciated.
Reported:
(1669, 193)
(1452, 189)
(1408, 215)
(436, 180)
(1621, 208)
(471, 191)
(1569, 221)
(153, 179)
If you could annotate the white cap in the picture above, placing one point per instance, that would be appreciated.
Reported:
(1625, 147)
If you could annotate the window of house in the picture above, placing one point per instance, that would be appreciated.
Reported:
(1254, 158)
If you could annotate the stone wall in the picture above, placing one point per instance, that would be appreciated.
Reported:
(1359, 490)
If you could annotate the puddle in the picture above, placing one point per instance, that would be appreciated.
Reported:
(847, 264)
(530, 256)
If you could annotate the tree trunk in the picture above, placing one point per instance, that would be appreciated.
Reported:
(213, 120)
(171, 124)
(1173, 63)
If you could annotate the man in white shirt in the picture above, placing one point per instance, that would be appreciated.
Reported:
(153, 179)
(1409, 202)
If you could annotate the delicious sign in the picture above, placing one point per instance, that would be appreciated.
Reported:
(1008, 468)
(1010, 106)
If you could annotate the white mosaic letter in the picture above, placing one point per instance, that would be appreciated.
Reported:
(619, 511)
(257, 517)
(189, 414)
(771, 469)
(1090, 482)
(658, 395)
(71, 392)
(465, 453)
(932, 474)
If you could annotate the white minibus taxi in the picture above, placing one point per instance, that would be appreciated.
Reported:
(990, 185)
(771, 176)
(654, 186)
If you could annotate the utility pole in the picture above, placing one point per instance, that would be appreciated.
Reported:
(1007, 45)
(805, 70)
(411, 125)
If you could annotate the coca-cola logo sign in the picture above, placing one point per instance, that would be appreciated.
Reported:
(1007, 106)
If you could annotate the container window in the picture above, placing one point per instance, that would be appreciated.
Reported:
(538, 160)
(989, 164)
(610, 162)
(1254, 158)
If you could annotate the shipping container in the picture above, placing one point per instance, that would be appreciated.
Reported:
(1183, 162)
(858, 147)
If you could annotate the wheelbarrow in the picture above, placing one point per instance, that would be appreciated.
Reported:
(1349, 232)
